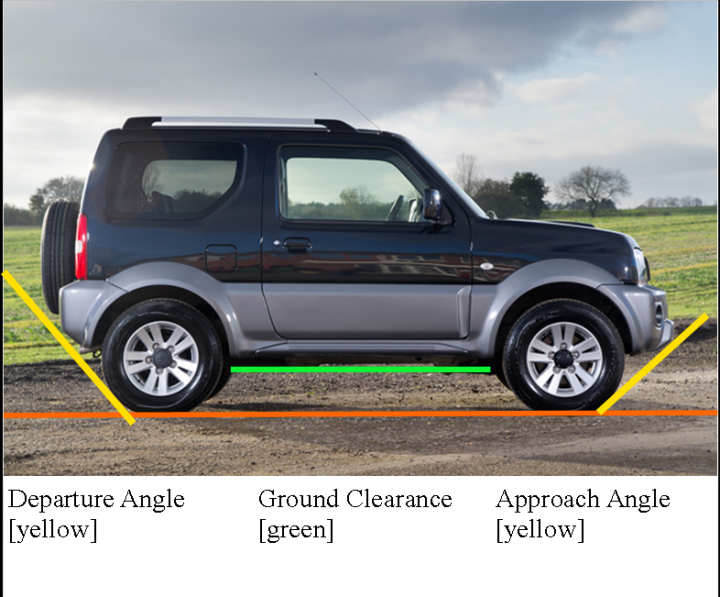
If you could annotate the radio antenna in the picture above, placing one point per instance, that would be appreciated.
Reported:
(365, 116)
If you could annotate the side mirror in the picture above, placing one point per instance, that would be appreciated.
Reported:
(432, 208)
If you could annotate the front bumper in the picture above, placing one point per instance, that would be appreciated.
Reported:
(645, 309)
(667, 333)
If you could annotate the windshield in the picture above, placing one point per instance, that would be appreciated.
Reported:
(474, 208)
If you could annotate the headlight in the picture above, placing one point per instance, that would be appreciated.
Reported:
(642, 267)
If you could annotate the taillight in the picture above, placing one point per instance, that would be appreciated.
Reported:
(81, 248)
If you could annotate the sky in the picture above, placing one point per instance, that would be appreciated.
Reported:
(524, 86)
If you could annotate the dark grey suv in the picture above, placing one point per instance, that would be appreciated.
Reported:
(201, 242)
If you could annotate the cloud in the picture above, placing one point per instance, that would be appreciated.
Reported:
(646, 18)
(46, 137)
(384, 56)
(436, 71)
(554, 90)
(659, 160)
(707, 112)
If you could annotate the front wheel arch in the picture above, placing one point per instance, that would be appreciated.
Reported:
(570, 291)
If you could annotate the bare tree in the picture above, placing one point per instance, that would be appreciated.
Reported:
(689, 201)
(594, 185)
(467, 174)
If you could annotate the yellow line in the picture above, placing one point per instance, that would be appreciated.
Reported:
(66, 345)
(652, 364)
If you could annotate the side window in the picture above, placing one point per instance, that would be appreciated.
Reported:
(172, 180)
(351, 184)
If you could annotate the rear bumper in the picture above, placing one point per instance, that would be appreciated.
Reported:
(82, 304)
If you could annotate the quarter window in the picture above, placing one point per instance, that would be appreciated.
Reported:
(351, 184)
(172, 180)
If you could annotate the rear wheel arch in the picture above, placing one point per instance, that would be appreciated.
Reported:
(146, 293)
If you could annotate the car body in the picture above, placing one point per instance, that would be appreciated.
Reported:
(313, 242)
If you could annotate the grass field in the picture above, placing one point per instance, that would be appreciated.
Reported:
(25, 339)
(681, 245)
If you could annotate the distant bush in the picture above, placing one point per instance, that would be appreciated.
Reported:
(15, 216)
(673, 202)
(583, 205)
(623, 213)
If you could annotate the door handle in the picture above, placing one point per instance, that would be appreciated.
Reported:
(297, 245)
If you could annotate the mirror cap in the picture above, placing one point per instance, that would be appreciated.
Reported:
(432, 209)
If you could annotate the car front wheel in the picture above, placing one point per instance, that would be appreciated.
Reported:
(162, 355)
(563, 355)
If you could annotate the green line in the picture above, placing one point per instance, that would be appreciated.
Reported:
(344, 369)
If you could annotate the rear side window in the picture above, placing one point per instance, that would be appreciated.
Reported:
(172, 180)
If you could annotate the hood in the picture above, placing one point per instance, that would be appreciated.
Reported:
(511, 244)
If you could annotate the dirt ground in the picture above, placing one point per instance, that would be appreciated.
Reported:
(680, 445)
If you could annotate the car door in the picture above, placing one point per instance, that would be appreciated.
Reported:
(346, 252)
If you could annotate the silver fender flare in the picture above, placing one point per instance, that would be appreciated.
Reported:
(491, 302)
(240, 306)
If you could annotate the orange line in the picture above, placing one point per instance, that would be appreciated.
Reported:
(368, 413)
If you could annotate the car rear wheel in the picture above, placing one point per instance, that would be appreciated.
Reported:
(57, 250)
(563, 355)
(162, 355)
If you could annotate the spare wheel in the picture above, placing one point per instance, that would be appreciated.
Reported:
(57, 250)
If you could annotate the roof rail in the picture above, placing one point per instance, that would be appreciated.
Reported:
(146, 122)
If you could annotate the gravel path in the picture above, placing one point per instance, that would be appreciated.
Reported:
(687, 379)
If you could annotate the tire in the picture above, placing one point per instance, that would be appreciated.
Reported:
(57, 250)
(163, 356)
(500, 375)
(222, 382)
(563, 355)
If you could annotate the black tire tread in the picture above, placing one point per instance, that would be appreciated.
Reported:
(57, 251)
(222, 381)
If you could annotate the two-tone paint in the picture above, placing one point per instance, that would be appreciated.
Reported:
(282, 288)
